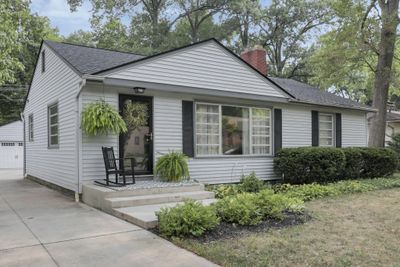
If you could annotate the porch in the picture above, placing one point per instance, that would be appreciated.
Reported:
(137, 203)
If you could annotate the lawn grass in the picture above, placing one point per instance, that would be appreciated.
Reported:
(350, 230)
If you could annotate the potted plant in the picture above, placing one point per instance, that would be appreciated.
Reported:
(101, 118)
(172, 167)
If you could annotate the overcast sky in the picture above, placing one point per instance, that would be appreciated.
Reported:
(67, 22)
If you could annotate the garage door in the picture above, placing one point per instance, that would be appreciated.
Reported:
(11, 155)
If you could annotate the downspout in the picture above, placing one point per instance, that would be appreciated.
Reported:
(81, 85)
(24, 130)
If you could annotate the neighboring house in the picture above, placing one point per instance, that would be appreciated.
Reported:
(203, 100)
(392, 125)
(12, 145)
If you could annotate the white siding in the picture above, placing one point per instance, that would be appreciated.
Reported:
(13, 131)
(57, 83)
(354, 129)
(205, 65)
(167, 132)
(167, 121)
(92, 157)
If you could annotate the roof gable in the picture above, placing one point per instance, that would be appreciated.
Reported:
(12, 131)
(206, 65)
(89, 60)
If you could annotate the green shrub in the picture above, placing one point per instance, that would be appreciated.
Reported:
(241, 209)
(190, 218)
(394, 144)
(322, 165)
(273, 205)
(250, 183)
(100, 118)
(310, 164)
(378, 162)
(172, 167)
(224, 190)
(354, 163)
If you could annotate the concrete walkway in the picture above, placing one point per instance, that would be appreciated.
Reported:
(42, 227)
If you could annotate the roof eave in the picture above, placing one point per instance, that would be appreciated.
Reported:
(366, 109)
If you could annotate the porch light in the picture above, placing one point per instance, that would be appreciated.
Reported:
(139, 90)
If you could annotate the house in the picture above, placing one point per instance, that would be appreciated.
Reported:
(392, 125)
(12, 145)
(219, 109)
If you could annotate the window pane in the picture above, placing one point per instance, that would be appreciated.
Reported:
(261, 131)
(326, 130)
(207, 129)
(54, 130)
(235, 130)
(53, 109)
(54, 140)
(53, 119)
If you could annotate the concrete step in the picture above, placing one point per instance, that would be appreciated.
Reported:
(144, 216)
(120, 202)
(91, 191)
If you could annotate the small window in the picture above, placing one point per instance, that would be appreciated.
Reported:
(30, 127)
(43, 61)
(20, 144)
(53, 125)
(326, 129)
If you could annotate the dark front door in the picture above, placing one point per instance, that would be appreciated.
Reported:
(138, 141)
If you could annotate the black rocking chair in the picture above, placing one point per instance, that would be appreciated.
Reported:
(111, 167)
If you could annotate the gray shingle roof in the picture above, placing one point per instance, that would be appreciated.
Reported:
(89, 60)
(306, 93)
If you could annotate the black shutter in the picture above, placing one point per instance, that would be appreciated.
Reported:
(187, 128)
(277, 130)
(314, 128)
(338, 130)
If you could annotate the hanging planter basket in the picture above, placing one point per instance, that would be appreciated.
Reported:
(100, 118)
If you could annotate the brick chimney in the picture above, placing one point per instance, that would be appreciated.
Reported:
(256, 57)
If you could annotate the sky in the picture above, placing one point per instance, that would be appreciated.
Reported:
(67, 22)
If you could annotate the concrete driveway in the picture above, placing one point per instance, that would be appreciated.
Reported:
(42, 227)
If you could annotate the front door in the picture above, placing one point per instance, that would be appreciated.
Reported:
(138, 141)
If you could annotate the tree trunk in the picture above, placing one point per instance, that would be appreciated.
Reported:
(390, 21)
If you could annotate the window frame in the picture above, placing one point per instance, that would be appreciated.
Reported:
(49, 125)
(333, 129)
(30, 128)
(220, 154)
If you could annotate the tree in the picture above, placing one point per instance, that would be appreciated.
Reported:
(21, 33)
(81, 37)
(286, 30)
(390, 21)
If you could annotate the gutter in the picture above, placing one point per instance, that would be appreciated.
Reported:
(332, 105)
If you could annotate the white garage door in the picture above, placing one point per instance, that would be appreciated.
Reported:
(11, 155)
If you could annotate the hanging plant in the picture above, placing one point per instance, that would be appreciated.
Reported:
(135, 115)
(100, 118)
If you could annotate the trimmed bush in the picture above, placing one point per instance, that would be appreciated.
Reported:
(241, 209)
(378, 162)
(354, 163)
(190, 218)
(310, 164)
(250, 183)
(322, 165)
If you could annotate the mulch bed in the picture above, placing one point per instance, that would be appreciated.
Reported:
(227, 230)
